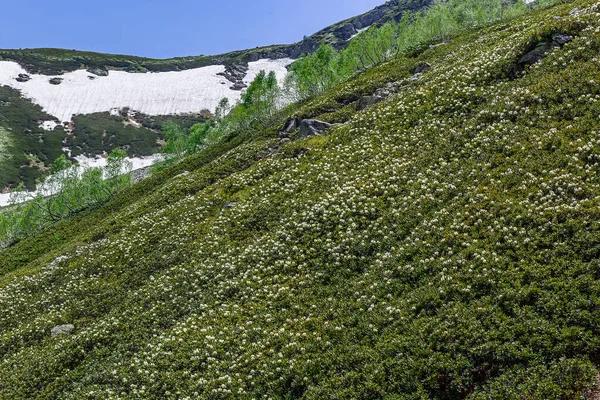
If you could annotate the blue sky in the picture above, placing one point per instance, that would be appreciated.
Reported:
(161, 28)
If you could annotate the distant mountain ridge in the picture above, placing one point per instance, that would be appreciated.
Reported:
(49, 61)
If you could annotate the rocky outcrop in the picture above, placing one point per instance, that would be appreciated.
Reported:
(561, 38)
(542, 48)
(290, 125)
(235, 73)
(139, 175)
(98, 71)
(62, 330)
(311, 127)
(238, 86)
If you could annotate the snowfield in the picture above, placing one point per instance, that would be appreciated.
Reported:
(162, 93)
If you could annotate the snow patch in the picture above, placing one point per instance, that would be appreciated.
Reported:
(136, 162)
(358, 32)
(161, 93)
(49, 125)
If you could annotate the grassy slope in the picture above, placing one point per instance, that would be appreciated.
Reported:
(442, 244)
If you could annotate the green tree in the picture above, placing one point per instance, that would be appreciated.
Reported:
(176, 139)
(197, 136)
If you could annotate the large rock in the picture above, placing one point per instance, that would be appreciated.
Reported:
(542, 48)
(56, 81)
(367, 101)
(311, 127)
(62, 330)
(23, 78)
(389, 89)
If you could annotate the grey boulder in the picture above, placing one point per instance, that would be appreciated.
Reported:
(311, 127)
(62, 330)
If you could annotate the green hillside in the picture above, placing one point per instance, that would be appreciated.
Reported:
(443, 243)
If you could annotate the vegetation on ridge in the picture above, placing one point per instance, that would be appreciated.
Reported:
(443, 243)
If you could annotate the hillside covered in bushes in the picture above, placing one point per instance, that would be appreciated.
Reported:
(441, 239)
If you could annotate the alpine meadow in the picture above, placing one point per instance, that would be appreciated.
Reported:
(410, 209)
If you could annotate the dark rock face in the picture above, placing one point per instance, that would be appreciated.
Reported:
(98, 71)
(62, 330)
(56, 81)
(367, 101)
(311, 127)
(291, 124)
(235, 73)
(23, 78)
(542, 48)
(346, 31)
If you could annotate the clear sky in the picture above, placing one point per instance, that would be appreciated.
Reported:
(161, 28)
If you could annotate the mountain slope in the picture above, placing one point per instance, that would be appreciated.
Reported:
(443, 243)
(70, 84)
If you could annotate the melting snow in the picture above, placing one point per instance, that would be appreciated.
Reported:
(162, 93)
